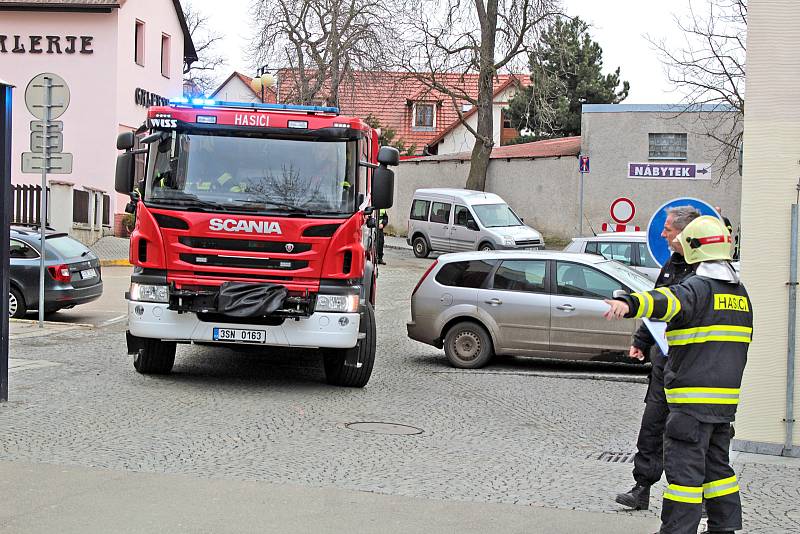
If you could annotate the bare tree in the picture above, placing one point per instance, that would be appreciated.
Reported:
(709, 68)
(320, 43)
(479, 37)
(198, 76)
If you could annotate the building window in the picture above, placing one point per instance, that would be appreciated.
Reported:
(165, 55)
(668, 146)
(424, 115)
(138, 54)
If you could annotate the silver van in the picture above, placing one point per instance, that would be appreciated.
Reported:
(454, 220)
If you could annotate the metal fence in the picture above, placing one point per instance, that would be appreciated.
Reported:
(27, 204)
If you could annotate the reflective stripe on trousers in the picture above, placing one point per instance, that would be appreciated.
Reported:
(718, 488)
(702, 395)
(687, 494)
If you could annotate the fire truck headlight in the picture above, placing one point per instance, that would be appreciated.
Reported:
(337, 303)
(149, 293)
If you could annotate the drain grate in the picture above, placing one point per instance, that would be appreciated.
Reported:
(384, 428)
(614, 457)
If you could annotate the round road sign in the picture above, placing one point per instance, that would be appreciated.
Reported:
(623, 210)
(657, 245)
(59, 95)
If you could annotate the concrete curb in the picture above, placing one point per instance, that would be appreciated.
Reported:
(115, 263)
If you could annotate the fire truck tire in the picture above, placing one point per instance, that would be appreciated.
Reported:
(155, 358)
(339, 374)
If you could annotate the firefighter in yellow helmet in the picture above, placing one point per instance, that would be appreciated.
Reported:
(709, 327)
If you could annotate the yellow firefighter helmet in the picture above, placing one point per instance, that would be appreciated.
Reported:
(705, 239)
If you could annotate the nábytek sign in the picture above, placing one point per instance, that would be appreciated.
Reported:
(670, 171)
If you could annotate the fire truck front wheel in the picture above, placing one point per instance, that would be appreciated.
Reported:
(339, 369)
(155, 357)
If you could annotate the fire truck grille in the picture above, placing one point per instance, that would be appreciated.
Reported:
(236, 276)
(244, 245)
(244, 262)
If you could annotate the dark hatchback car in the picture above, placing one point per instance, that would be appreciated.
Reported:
(73, 272)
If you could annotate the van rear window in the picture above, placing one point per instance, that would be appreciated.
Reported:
(419, 210)
(464, 273)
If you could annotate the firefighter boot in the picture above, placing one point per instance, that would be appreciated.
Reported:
(637, 498)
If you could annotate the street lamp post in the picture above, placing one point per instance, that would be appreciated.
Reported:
(262, 81)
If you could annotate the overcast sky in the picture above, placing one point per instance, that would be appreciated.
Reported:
(618, 25)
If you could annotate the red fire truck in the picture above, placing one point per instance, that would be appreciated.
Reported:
(255, 224)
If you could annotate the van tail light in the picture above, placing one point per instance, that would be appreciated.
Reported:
(60, 273)
(424, 276)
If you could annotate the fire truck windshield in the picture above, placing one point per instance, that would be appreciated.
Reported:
(253, 174)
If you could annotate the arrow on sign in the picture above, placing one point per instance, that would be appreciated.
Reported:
(702, 171)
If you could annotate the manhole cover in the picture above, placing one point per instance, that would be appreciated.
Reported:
(384, 428)
(615, 457)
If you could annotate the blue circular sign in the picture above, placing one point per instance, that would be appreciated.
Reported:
(657, 245)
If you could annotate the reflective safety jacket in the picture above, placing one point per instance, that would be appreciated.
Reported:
(710, 325)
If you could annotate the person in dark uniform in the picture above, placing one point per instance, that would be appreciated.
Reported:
(383, 220)
(648, 463)
(709, 320)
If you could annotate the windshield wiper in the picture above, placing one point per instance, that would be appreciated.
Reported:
(189, 200)
(290, 207)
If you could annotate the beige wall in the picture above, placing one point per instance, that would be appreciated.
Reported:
(613, 140)
(528, 186)
(771, 154)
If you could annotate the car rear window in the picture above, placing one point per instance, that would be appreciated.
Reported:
(464, 273)
(66, 246)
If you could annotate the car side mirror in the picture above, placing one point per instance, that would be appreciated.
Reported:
(619, 293)
(125, 141)
(388, 155)
(472, 225)
(123, 180)
(382, 187)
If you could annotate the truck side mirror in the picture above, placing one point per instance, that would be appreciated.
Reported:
(123, 181)
(388, 155)
(382, 187)
(125, 141)
(472, 225)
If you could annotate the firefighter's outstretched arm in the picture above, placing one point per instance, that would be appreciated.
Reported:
(661, 304)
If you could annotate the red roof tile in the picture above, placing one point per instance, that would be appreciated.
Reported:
(389, 96)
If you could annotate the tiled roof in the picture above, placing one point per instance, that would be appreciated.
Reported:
(549, 148)
(390, 97)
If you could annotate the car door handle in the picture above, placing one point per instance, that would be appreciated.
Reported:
(566, 307)
(494, 302)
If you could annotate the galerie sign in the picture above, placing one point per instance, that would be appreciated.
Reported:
(670, 171)
(46, 44)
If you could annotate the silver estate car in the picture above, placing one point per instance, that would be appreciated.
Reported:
(629, 248)
(535, 303)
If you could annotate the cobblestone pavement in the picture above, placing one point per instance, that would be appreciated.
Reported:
(521, 431)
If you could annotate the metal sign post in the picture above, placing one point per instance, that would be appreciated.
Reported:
(47, 102)
(5, 223)
(47, 98)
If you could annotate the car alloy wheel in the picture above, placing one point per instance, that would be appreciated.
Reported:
(13, 304)
(467, 345)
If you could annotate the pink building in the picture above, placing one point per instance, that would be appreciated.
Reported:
(117, 57)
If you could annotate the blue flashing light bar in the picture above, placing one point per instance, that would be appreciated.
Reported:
(206, 102)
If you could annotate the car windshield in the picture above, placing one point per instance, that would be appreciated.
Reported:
(247, 174)
(626, 275)
(496, 215)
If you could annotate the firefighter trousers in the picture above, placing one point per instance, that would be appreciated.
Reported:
(648, 464)
(697, 466)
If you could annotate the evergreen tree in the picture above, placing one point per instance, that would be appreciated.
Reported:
(566, 72)
(387, 136)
